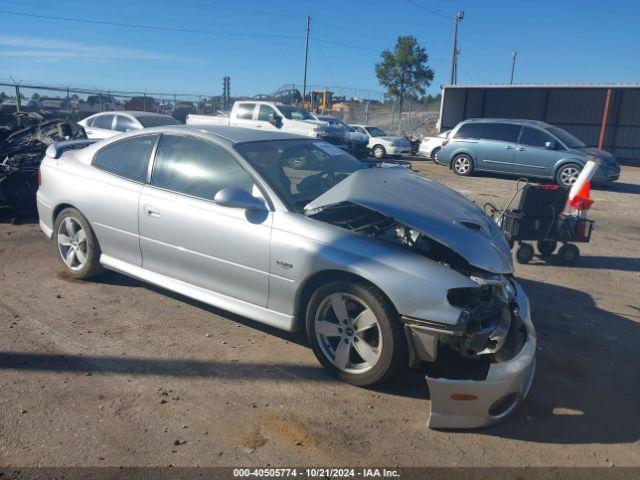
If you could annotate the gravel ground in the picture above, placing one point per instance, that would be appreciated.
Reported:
(116, 372)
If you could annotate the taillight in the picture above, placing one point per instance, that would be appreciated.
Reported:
(39, 177)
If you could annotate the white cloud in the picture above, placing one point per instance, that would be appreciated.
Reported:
(52, 49)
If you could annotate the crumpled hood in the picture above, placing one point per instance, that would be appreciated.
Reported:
(429, 207)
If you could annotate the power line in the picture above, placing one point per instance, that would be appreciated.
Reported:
(342, 44)
(146, 27)
(161, 19)
(422, 7)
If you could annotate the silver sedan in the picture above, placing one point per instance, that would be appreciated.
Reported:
(382, 267)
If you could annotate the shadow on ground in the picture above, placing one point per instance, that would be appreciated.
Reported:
(586, 388)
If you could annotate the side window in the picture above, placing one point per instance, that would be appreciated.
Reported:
(196, 167)
(265, 113)
(103, 121)
(503, 132)
(535, 137)
(128, 158)
(124, 124)
(469, 130)
(245, 111)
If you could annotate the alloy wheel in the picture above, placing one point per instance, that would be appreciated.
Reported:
(348, 333)
(462, 165)
(569, 175)
(72, 243)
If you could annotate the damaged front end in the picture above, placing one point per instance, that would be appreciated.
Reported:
(482, 365)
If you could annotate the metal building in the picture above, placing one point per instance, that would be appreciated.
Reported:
(604, 116)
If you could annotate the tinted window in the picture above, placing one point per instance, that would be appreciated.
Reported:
(156, 120)
(196, 167)
(535, 137)
(566, 138)
(295, 113)
(245, 111)
(376, 132)
(124, 124)
(127, 158)
(265, 112)
(103, 121)
(489, 131)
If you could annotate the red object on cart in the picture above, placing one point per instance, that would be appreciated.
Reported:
(582, 201)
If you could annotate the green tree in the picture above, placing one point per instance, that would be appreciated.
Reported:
(35, 96)
(404, 71)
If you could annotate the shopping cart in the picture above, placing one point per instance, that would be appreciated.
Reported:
(539, 217)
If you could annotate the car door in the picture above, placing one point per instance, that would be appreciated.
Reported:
(533, 157)
(497, 146)
(185, 235)
(112, 207)
(101, 127)
(264, 114)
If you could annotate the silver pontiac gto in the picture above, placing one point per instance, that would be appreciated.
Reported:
(382, 267)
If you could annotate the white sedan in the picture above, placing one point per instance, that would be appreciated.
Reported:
(431, 145)
(107, 124)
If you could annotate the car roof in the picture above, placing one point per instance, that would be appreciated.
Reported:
(133, 113)
(516, 121)
(231, 134)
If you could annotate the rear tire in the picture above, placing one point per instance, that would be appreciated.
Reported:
(524, 253)
(546, 247)
(569, 254)
(434, 155)
(76, 245)
(364, 347)
(462, 165)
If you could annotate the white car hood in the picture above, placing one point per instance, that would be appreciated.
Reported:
(431, 208)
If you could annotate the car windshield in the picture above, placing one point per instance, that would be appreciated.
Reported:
(156, 120)
(299, 170)
(295, 113)
(376, 132)
(566, 138)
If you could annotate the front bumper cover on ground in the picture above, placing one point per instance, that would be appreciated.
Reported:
(477, 403)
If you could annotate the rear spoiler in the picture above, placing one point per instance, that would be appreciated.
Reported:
(55, 150)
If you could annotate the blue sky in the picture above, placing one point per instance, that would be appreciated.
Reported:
(557, 41)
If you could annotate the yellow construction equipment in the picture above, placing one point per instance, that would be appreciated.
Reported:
(319, 100)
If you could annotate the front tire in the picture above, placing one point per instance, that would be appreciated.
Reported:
(434, 155)
(355, 332)
(76, 245)
(463, 165)
(379, 152)
(567, 174)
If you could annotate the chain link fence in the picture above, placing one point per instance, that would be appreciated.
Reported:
(22, 103)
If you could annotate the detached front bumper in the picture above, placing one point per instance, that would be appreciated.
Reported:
(457, 403)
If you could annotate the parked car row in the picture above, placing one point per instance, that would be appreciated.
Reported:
(523, 148)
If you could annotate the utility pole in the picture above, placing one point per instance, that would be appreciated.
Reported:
(306, 56)
(514, 54)
(454, 57)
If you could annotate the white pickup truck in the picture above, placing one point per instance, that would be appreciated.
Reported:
(273, 116)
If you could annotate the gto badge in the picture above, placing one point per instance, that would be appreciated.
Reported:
(285, 265)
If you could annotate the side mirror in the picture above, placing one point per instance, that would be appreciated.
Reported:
(233, 197)
(275, 120)
(551, 145)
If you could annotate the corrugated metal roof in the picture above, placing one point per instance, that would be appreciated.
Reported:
(543, 85)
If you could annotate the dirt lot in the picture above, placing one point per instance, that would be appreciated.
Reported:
(115, 372)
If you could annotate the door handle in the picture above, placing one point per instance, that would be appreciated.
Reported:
(521, 149)
(509, 147)
(151, 211)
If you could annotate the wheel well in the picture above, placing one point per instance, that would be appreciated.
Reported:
(378, 145)
(58, 209)
(564, 163)
(312, 283)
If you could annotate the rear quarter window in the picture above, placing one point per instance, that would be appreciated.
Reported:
(127, 158)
